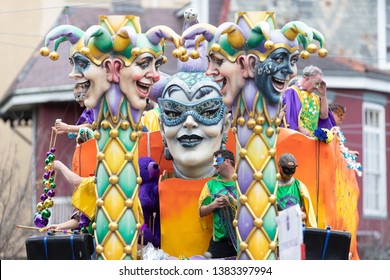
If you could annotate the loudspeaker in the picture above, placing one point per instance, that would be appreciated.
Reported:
(60, 247)
(326, 244)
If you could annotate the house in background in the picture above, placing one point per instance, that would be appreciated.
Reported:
(356, 72)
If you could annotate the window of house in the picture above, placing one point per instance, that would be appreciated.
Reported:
(374, 161)
(384, 34)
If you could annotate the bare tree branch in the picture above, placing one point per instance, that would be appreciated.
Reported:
(14, 197)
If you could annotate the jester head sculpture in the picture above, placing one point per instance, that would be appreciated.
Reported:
(115, 51)
(225, 53)
(273, 54)
(265, 54)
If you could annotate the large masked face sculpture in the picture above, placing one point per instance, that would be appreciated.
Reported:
(194, 121)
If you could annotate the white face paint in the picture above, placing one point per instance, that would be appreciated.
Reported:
(193, 140)
(136, 80)
(228, 74)
(91, 77)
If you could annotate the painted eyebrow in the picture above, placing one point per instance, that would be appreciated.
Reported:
(145, 59)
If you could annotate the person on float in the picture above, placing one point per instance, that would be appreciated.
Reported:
(85, 120)
(292, 191)
(219, 199)
(305, 110)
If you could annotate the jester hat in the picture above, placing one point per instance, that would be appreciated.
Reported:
(128, 44)
(98, 50)
(263, 39)
(227, 39)
(191, 68)
(115, 35)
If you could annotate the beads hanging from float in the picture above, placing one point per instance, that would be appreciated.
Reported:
(41, 217)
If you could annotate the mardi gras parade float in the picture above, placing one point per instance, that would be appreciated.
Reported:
(140, 193)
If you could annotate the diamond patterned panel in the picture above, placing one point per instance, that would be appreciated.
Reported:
(257, 152)
(257, 199)
(114, 156)
(113, 248)
(114, 203)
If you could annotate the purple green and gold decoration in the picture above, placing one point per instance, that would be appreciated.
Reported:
(256, 124)
(114, 49)
(41, 217)
(255, 44)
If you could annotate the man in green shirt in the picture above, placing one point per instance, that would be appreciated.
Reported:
(219, 198)
(291, 191)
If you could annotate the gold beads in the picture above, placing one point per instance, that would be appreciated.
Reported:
(96, 134)
(272, 199)
(133, 136)
(99, 249)
(251, 123)
(114, 133)
(241, 121)
(243, 246)
(113, 179)
(278, 122)
(113, 226)
(99, 202)
(100, 156)
(129, 156)
(127, 250)
(44, 51)
(270, 131)
(257, 176)
(243, 152)
(322, 53)
(258, 129)
(125, 125)
(243, 199)
(260, 120)
(311, 48)
(258, 223)
(129, 203)
(272, 245)
(272, 152)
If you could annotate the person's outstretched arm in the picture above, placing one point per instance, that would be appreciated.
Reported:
(70, 176)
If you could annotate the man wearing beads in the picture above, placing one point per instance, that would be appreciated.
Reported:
(305, 110)
(219, 198)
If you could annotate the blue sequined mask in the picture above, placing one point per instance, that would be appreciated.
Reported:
(208, 112)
